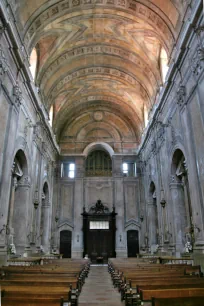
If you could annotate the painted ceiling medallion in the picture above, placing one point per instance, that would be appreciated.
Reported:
(98, 116)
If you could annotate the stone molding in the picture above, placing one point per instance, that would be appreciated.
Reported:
(25, 181)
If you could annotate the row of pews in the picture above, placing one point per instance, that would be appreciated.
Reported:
(148, 284)
(58, 283)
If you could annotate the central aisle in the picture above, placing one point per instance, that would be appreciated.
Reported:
(98, 289)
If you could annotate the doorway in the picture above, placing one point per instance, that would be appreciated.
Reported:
(99, 232)
(132, 243)
(66, 243)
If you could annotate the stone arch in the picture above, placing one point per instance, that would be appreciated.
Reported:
(98, 146)
(20, 146)
(174, 148)
(181, 201)
(19, 201)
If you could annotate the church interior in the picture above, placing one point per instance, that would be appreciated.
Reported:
(102, 142)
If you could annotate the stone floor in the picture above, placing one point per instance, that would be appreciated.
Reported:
(98, 289)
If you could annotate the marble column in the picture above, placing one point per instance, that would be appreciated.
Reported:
(14, 185)
(179, 216)
(121, 235)
(22, 196)
(152, 227)
(77, 234)
(45, 240)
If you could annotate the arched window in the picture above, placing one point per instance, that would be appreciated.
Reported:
(98, 163)
(51, 114)
(33, 62)
(163, 64)
(146, 120)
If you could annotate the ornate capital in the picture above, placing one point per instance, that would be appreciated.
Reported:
(25, 181)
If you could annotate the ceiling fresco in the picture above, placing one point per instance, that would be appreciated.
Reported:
(99, 57)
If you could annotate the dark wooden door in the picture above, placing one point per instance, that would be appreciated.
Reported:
(132, 243)
(66, 243)
(99, 244)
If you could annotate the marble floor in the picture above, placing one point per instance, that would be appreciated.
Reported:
(98, 289)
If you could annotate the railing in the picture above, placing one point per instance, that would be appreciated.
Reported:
(32, 261)
(168, 259)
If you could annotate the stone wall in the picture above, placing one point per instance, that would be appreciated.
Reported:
(82, 191)
(25, 134)
(176, 125)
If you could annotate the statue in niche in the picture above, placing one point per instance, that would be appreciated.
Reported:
(17, 172)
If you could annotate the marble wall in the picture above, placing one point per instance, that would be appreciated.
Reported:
(25, 135)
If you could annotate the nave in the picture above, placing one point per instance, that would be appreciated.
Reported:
(98, 289)
(154, 281)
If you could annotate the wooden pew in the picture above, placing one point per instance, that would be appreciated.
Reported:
(136, 277)
(146, 295)
(43, 285)
(189, 301)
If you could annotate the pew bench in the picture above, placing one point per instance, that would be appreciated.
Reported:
(147, 295)
(36, 295)
(189, 301)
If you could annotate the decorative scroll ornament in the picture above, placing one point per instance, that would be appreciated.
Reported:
(17, 93)
(99, 208)
(200, 53)
(153, 147)
(181, 95)
(3, 63)
(197, 61)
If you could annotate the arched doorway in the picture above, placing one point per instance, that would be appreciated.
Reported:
(66, 243)
(182, 210)
(18, 208)
(45, 219)
(153, 216)
(133, 243)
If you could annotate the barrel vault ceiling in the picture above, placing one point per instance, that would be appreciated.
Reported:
(99, 64)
